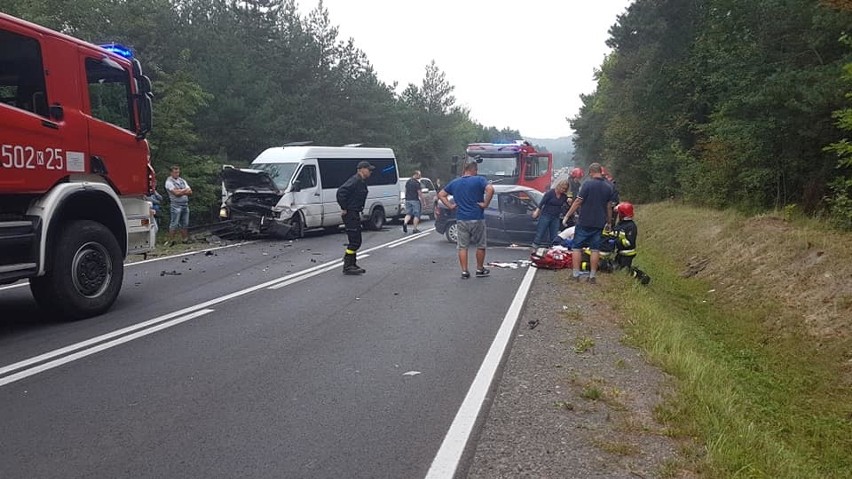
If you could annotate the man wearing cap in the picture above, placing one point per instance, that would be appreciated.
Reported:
(471, 195)
(351, 197)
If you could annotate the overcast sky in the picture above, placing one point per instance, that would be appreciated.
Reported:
(514, 63)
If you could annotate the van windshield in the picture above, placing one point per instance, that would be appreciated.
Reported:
(281, 173)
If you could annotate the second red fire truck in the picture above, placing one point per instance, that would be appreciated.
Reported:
(517, 163)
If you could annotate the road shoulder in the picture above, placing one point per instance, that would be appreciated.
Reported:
(573, 399)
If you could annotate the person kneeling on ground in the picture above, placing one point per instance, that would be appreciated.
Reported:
(626, 233)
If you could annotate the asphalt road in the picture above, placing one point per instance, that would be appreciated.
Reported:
(257, 360)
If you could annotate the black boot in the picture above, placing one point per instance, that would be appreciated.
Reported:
(640, 275)
(349, 266)
(359, 269)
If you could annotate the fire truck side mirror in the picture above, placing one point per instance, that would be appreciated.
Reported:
(145, 108)
(145, 85)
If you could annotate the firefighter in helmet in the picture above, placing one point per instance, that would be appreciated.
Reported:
(625, 233)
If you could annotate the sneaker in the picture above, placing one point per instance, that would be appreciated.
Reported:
(593, 281)
(481, 273)
(575, 279)
(415, 230)
(465, 275)
(404, 227)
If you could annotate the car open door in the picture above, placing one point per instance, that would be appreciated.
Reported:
(516, 209)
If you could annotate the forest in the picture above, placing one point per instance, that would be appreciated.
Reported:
(232, 78)
(727, 103)
(722, 103)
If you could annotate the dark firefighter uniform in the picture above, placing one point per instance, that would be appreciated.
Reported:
(625, 243)
(351, 197)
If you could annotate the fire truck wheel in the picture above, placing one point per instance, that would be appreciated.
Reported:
(84, 272)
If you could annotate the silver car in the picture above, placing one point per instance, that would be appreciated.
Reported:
(427, 205)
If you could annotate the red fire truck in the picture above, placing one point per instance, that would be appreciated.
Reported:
(517, 163)
(74, 166)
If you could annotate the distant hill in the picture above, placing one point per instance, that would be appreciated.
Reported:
(562, 149)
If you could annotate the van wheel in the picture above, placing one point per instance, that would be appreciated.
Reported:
(452, 233)
(84, 273)
(377, 219)
(297, 225)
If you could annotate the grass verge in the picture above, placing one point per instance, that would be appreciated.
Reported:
(765, 394)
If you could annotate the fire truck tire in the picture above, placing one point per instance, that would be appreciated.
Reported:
(84, 273)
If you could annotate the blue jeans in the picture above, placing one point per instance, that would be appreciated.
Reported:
(546, 230)
(179, 217)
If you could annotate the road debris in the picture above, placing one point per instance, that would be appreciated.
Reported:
(411, 373)
(497, 264)
(170, 273)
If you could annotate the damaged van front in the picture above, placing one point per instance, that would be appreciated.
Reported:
(249, 198)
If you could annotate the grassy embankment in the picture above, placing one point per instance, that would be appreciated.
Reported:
(753, 318)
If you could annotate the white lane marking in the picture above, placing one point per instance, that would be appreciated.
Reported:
(314, 273)
(133, 263)
(168, 316)
(391, 243)
(158, 319)
(410, 239)
(447, 459)
(86, 352)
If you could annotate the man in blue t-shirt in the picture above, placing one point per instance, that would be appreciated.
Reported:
(595, 204)
(471, 195)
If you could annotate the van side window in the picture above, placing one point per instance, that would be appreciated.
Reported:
(109, 93)
(307, 177)
(335, 171)
(22, 82)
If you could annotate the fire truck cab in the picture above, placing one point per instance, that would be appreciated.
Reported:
(517, 163)
(74, 166)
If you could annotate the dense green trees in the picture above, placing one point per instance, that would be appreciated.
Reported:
(724, 102)
(235, 77)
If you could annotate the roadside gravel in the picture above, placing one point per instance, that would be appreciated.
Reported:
(573, 399)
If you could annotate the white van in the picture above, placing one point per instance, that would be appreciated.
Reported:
(308, 178)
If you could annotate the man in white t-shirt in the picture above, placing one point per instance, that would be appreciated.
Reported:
(179, 193)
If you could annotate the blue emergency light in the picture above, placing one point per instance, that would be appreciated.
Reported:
(119, 50)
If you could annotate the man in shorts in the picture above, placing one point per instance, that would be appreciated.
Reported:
(471, 195)
(413, 200)
(594, 203)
